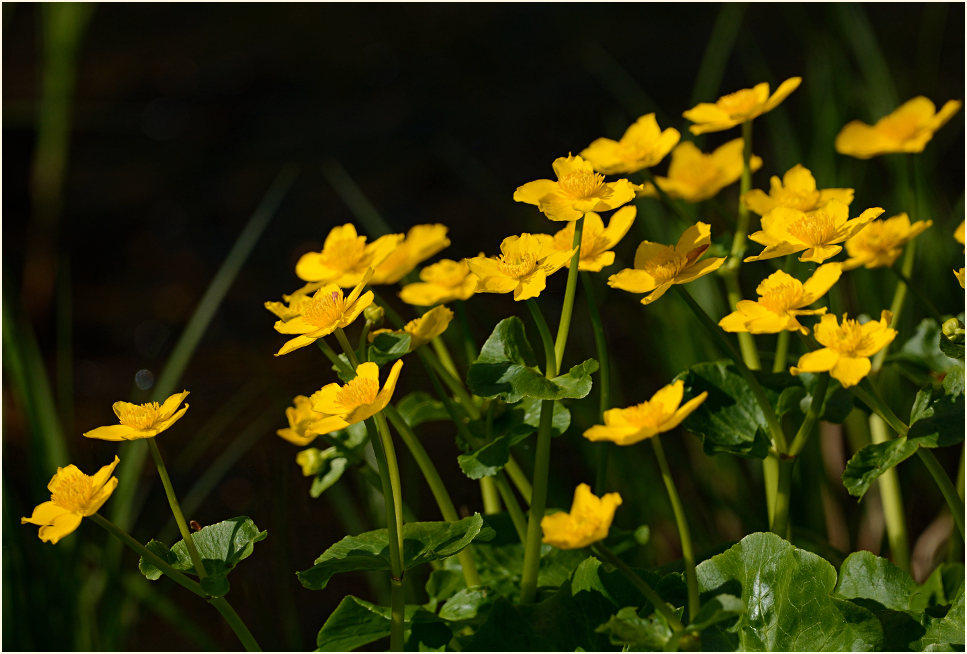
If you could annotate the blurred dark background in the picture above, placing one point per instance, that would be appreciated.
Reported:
(180, 118)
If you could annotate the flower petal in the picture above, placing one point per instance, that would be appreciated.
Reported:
(683, 412)
(532, 192)
(850, 370)
(295, 343)
(821, 360)
(113, 433)
(821, 281)
(171, 405)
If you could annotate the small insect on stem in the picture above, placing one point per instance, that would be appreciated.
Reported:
(195, 526)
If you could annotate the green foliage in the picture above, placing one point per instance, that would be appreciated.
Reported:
(419, 407)
(221, 546)
(422, 542)
(356, 623)
(388, 346)
(507, 368)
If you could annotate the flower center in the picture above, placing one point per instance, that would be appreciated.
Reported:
(849, 339)
(140, 416)
(665, 267)
(802, 200)
(816, 228)
(783, 296)
(739, 103)
(73, 490)
(325, 310)
(518, 267)
(359, 391)
(579, 184)
(344, 253)
(646, 414)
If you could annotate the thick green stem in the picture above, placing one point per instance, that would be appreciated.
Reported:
(235, 621)
(683, 533)
(947, 489)
(520, 480)
(564, 325)
(443, 354)
(490, 496)
(545, 333)
(780, 516)
(513, 508)
(782, 349)
(893, 514)
(346, 347)
(660, 605)
(176, 509)
(453, 382)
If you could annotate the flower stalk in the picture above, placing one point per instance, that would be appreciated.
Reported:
(640, 584)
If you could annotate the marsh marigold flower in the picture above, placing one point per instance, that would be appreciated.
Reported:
(814, 233)
(848, 347)
(305, 423)
(358, 399)
(658, 267)
(596, 239)
(587, 523)
(345, 257)
(291, 305)
(424, 329)
(663, 412)
(781, 299)
(323, 313)
(522, 267)
(881, 241)
(578, 190)
(694, 176)
(643, 145)
(141, 420)
(736, 108)
(73, 497)
(421, 243)
(796, 190)
(908, 129)
(442, 282)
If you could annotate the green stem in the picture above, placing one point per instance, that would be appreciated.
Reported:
(550, 368)
(660, 605)
(452, 381)
(176, 508)
(683, 533)
(490, 496)
(346, 347)
(893, 514)
(440, 348)
(896, 306)
(947, 489)
(469, 346)
(513, 508)
(564, 326)
(782, 349)
(812, 415)
(334, 358)
(780, 516)
(664, 197)
(517, 476)
(905, 280)
(604, 393)
(235, 621)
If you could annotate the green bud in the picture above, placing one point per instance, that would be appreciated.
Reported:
(374, 315)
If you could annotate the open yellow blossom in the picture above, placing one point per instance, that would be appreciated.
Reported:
(444, 281)
(421, 243)
(345, 257)
(73, 497)
(358, 399)
(141, 420)
(323, 313)
(736, 108)
(578, 190)
(880, 243)
(663, 412)
(785, 231)
(522, 267)
(782, 298)
(694, 176)
(796, 190)
(959, 233)
(587, 523)
(908, 129)
(424, 329)
(291, 305)
(305, 423)
(848, 347)
(596, 239)
(659, 266)
(643, 145)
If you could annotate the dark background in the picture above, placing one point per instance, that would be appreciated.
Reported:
(183, 115)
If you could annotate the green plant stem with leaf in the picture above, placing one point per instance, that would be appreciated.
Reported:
(604, 372)
(176, 508)
(570, 290)
(892, 499)
(640, 584)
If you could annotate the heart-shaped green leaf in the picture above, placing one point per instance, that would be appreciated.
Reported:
(221, 546)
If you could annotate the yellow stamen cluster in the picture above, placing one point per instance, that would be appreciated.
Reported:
(738, 103)
(814, 228)
(783, 296)
(324, 309)
(666, 266)
(359, 391)
(139, 416)
(519, 266)
(73, 490)
(579, 184)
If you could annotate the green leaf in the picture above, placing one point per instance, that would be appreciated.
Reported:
(507, 368)
(945, 633)
(869, 463)
(864, 575)
(419, 407)
(325, 478)
(356, 623)
(788, 595)
(953, 381)
(715, 610)
(216, 585)
(388, 346)
(221, 546)
(836, 405)
(466, 604)
(633, 632)
(925, 348)
(422, 542)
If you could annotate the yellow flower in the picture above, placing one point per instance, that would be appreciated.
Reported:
(421, 243)
(323, 313)
(881, 241)
(578, 190)
(358, 399)
(785, 231)
(444, 281)
(588, 522)
(694, 176)
(596, 239)
(959, 274)
(658, 266)
(345, 257)
(636, 423)
(959, 233)
(643, 145)
(522, 267)
(291, 305)
(141, 420)
(796, 190)
(73, 496)
(848, 347)
(736, 108)
(782, 298)
(424, 329)
(908, 129)
(305, 423)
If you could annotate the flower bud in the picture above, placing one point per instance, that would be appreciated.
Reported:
(374, 315)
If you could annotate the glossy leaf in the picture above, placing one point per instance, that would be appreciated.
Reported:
(356, 623)
(419, 407)
(628, 629)
(945, 633)
(864, 575)
(388, 347)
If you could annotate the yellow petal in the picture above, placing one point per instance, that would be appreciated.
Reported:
(657, 293)
(101, 496)
(295, 343)
(821, 360)
(821, 281)
(697, 236)
(850, 370)
(171, 405)
(699, 269)
(633, 281)
(532, 192)
(669, 397)
(164, 424)
(386, 393)
(683, 412)
(782, 93)
(60, 526)
(113, 433)
(530, 286)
